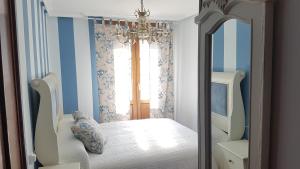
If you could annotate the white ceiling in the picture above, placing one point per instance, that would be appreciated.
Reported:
(160, 9)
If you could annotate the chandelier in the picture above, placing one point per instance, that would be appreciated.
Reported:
(142, 29)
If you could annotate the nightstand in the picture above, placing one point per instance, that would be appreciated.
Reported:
(234, 154)
(63, 166)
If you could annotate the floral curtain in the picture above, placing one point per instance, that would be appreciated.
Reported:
(162, 98)
(161, 77)
(105, 45)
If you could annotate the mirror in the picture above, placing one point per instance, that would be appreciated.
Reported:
(230, 98)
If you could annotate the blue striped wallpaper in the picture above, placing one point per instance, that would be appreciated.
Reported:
(41, 59)
(26, 36)
(78, 64)
(33, 55)
(218, 50)
(35, 69)
(244, 63)
(68, 64)
(33, 14)
(242, 57)
(94, 70)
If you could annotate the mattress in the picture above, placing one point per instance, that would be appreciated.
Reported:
(147, 144)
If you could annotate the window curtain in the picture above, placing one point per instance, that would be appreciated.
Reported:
(113, 62)
(114, 76)
(162, 79)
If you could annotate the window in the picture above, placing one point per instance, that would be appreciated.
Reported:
(136, 79)
(123, 86)
(149, 73)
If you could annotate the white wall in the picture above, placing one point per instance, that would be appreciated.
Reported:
(53, 50)
(230, 50)
(186, 61)
(83, 65)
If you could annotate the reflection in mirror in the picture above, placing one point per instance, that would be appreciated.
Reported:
(230, 99)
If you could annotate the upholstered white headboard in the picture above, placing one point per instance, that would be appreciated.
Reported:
(234, 121)
(54, 140)
(49, 115)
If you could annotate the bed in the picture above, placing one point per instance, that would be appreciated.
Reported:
(137, 144)
(227, 111)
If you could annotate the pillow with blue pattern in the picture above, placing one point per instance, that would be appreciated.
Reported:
(88, 133)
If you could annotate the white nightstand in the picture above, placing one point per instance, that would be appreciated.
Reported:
(234, 154)
(63, 166)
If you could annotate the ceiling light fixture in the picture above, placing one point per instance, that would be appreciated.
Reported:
(143, 29)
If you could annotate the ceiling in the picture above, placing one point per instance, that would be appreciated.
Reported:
(160, 9)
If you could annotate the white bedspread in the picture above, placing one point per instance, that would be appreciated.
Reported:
(147, 144)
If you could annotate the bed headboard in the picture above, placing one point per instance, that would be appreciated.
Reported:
(229, 114)
(49, 116)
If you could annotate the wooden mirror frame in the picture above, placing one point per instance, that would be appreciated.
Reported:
(259, 14)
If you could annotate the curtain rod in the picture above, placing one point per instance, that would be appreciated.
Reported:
(114, 21)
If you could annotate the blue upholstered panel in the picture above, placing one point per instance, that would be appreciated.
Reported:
(219, 98)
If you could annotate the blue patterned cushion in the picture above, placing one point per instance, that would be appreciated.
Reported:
(88, 133)
(77, 115)
(219, 98)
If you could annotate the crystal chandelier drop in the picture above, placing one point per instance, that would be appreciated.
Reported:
(143, 29)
